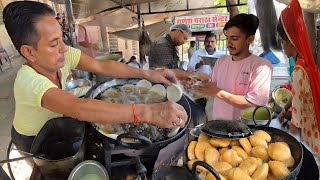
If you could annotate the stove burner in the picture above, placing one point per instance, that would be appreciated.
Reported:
(119, 158)
(122, 162)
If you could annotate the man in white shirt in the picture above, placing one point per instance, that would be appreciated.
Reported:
(196, 63)
(191, 49)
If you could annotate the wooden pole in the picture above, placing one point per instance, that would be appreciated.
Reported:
(309, 20)
(266, 13)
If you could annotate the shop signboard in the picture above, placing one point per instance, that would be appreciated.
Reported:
(207, 22)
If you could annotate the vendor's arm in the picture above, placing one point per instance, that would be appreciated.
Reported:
(160, 114)
(185, 75)
(120, 70)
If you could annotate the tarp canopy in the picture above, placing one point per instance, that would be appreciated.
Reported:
(86, 8)
(155, 30)
(123, 22)
(117, 15)
(98, 11)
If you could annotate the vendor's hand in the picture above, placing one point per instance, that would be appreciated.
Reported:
(199, 77)
(164, 76)
(207, 88)
(195, 78)
(167, 115)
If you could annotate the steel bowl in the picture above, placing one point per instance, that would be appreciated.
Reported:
(196, 131)
(78, 83)
(89, 170)
(261, 116)
(279, 104)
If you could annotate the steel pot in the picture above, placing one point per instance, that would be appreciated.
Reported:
(89, 170)
(276, 136)
(61, 140)
(295, 146)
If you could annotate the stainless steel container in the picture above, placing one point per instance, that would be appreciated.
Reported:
(78, 83)
(89, 170)
(261, 116)
(79, 74)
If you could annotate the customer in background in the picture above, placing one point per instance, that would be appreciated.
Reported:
(305, 79)
(196, 64)
(164, 52)
(133, 62)
(191, 49)
(240, 80)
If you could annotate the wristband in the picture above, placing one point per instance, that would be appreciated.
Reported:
(135, 117)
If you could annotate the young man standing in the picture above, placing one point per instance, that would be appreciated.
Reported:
(240, 80)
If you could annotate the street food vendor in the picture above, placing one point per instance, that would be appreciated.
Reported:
(241, 79)
(40, 82)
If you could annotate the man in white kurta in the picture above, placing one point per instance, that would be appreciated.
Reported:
(196, 63)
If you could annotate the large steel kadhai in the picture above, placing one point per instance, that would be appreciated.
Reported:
(142, 146)
(143, 142)
(237, 130)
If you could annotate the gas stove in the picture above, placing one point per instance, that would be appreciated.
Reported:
(133, 164)
(124, 163)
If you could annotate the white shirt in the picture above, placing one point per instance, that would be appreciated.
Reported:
(133, 64)
(191, 50)
(195, 59)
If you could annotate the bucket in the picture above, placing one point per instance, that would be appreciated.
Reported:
(61, 145)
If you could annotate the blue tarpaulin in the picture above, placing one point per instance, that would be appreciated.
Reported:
(269, 55)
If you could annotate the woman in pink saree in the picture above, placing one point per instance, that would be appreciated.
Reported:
(305, 80)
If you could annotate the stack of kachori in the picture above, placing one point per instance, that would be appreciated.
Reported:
(255, 158)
